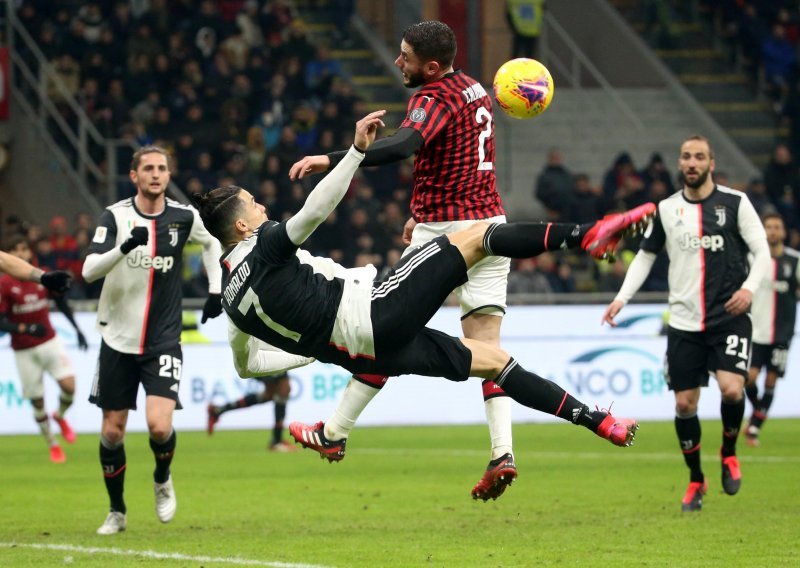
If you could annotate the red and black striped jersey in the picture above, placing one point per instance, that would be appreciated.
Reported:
(454, 175)
(25, 302)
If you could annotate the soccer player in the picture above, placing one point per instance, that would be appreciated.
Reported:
(450, 127)
(311, 307)
(707, 230)
(138, 248)
(276, 389)
(25, 314)
(56, 280)
(774, 312)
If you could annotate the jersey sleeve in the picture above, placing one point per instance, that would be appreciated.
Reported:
(273, 243)
(105, 235)
(654, 236)
(212, 251)
(427, 115)
(4, 298)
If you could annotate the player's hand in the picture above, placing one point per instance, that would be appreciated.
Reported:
(57, 281)
(611, 312)
(309, 165)
(138, 237)
(367, 128)
(34, 329)
(83, 345)
(739, 302)
(408, 230)
(212, 307)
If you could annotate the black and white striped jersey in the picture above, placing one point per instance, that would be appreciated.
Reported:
(292, 300)
(775, 301)
(140, 303)
(707, 243)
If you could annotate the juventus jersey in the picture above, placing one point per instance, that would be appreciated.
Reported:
(292, 300)
(707, 243)
(775, 301)
(140, 303)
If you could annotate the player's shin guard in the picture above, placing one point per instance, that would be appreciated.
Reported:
(498, 417)
(360, 390)
(64, 402)
(114, 462)
(751, 391)
(761, 408)
(688, 430)
(163, 452)
(732, 415)
(527, 239)
(541, 394)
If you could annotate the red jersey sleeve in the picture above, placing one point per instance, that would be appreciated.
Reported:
(427, 115)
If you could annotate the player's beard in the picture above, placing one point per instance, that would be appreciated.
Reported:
(414, 80)
(698, 182)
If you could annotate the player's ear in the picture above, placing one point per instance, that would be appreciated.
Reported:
(432, 68)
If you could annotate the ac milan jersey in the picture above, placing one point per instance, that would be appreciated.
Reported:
(707, 243)
(25, 302)
(299, 303)
(775, 301)
(140, 303)
(454, 175)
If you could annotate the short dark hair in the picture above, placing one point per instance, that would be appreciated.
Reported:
(219, 208)
(14, 241)
(772, 215)
(432, 41)
(137, 155)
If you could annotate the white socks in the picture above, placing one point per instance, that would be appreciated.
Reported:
(355, 399)
(498, 417)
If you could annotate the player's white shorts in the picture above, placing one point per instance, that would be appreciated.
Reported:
(32, 363)
(488, 280)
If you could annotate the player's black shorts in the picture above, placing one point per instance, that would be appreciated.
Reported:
(411, 293)
(691, 355)
(773, 357)
(431, 353)
(116, 382)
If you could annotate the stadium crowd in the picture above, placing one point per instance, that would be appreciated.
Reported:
(238, 90)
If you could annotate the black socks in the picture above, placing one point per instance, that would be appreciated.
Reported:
(112, 458)
(524, 240)
(163, 452)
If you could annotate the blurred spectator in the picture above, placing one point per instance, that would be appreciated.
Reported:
(611, 276)
(320, 72)
(658, 19)
(782, 180)
(524, 278)
(63, 246)
(554, 186)
(525, 19)
(559, 274)
(656, 170)
(589, 202)
(757, 193)
(779, 59)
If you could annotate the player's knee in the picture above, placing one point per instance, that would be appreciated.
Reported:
(731, 393)
(685, 407)
(37, 403)
(159, 429)
(112, 432)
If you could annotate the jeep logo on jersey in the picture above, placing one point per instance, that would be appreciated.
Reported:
(139, 260)
(707, 242)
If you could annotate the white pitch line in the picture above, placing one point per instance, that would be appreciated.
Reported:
(151, 554)
(630, 453)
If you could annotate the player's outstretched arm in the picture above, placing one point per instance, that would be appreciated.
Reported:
(18, 268)
(254, 358)
(324, 198)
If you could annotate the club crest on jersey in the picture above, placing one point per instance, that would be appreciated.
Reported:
(417, 115)
(721, 217)
(173, 236)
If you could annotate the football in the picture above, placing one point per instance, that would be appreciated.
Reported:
(523, 88)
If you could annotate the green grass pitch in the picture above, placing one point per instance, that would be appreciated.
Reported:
(401, 498)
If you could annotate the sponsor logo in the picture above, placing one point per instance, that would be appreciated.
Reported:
(158, 262)
(707, 242)
(719, 210)
(613, 371)
(417, 115)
